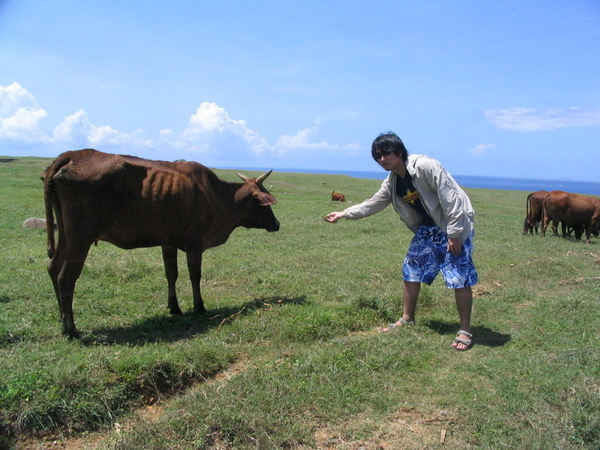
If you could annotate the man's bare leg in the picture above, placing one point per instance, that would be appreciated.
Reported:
(410, 295)
(464, 305)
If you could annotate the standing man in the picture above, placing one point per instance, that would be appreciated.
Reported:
(430, 203)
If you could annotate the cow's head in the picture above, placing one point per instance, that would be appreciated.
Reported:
(257, 202)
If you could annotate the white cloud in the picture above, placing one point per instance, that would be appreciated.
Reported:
(73, 128)
(481, 149)
(530, 119)
(302, 140)
(22, 125)
(14, 97)
(210, 132)
(76, 131)
(211, 123)
(19, 116)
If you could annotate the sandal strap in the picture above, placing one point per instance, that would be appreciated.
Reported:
(466, 333)
(407, 322)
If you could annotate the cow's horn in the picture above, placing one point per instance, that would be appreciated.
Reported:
(263, 177)
(243, 177)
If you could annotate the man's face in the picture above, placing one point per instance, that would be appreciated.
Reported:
(392, 162)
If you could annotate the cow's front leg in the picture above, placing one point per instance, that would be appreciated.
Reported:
(170, 260)
(194, 262)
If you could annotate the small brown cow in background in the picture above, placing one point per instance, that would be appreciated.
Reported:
(337, 197)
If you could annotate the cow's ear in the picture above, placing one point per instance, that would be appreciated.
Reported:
(264, 199)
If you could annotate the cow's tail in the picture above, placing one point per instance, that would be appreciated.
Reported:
(52, 203)
(48, 194)
(528, 206)
(527, 225)
(543, 219)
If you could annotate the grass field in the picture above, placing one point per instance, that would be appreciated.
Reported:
(288, 355)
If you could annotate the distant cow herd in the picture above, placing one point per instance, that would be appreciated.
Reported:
(575, 213)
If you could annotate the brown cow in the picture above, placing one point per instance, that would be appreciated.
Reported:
(534, 208)
(535, 214)
(337, 197)
(133, 202)
(573, 210)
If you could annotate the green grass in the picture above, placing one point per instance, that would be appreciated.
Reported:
(287, 355)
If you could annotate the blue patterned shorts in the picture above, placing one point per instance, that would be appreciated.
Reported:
(428, 255)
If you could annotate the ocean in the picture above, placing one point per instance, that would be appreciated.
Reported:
(470, 181)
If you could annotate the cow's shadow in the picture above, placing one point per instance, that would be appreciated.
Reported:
(483, 335)
(173, 328)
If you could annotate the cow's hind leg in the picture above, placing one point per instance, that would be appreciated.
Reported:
(194, 262)
(170, 261)
(545, 222)
(64, 269)
(54, 269)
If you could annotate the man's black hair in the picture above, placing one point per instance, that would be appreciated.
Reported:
(387, 143)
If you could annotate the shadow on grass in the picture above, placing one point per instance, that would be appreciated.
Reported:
(173, 328)
(9, 339)
(483, 336)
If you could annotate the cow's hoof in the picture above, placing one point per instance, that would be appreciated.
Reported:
(71, 335)
(175, 311)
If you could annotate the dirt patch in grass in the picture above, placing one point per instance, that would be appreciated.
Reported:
(408, 429)
(147, 414)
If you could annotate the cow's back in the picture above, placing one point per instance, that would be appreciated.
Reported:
(537, 202)
(129, 201)
(573, 209)
(556, 204)
(580, 209)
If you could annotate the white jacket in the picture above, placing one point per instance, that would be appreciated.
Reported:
(442, 197)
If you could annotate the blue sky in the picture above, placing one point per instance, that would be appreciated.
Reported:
(505, 88)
